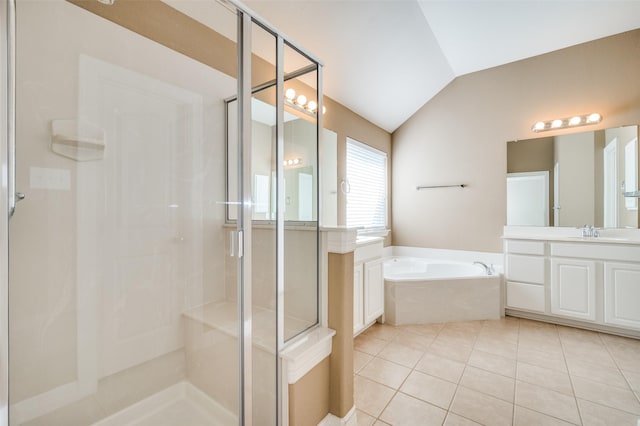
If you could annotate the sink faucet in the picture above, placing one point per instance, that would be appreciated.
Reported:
(590, 232)
(489, 269)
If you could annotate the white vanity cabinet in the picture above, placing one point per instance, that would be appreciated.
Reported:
(525, 275)
(368, 284)
(594, 282)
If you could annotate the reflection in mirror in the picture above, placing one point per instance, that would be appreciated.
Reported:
(575, 179)
(300, 171)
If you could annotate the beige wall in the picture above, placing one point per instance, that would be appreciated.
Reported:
(309, 396)
(460, 136)
(348, 124)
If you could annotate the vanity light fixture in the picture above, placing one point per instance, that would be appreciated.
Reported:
(300, 102)
(564, 123)
(292, 162)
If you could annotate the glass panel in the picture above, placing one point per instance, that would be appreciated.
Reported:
(120, 290)
(300, 193)
(263, 243)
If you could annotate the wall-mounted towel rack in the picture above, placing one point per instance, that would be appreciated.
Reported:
(460, 185)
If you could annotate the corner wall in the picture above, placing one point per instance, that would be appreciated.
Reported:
(459, 137)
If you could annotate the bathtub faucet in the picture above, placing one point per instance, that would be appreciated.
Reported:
(489, 269)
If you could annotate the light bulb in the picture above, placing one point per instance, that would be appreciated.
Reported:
(556, 123)
(312, 105)
(290, 162)
(594, 118)
(302, 100)
(539, 125)
(290, 94)
(296, 161)
(575, 121)
(324, 109)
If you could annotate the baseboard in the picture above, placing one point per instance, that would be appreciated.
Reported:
(350, 419)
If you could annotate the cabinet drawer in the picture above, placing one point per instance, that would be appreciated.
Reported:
(528, 269)
(525, 247)
(525, 296)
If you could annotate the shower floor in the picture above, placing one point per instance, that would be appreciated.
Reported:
(180, 404)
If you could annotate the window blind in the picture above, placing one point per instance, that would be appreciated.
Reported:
(367, 182)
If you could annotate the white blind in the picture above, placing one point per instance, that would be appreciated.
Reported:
(367, 182)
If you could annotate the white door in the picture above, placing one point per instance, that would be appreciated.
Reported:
(610, 185)
(528, 199)
(573, 288)
(373, 291)
(621, 294)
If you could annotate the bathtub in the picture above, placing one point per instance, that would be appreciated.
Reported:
(422, 290)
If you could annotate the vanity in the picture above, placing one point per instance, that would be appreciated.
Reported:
(368, 283)
(556, 275)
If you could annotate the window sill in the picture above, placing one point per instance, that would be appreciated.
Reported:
(373, 232)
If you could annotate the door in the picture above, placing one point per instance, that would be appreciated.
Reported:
(119, 308)
(573, 288)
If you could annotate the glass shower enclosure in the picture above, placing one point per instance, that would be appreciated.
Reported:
(162, 191)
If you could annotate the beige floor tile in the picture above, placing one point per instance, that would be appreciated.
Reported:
(406, 410)
(597, 373)
(525, 417)
(611, 396)
(547, 401)
(627, 357)
(599, 357)
(401, 354)
(599, 415)
(572, 334)
(552, 360)
(544, 377)
(454, 351)
(427, 330)
(443, 368)
(371, 397)
(456, 420)
(414, 340)
(633, 379)
(430, 389)
(502, 334)
(380, 423)
(364, 419)
(549, 345)
(466, 326)
(368, 344)
(497, 346)
(381, 331)
(385, 372)
(494, 363)
(458, 336)
(360, 359)
(492, 384)
(481, 408)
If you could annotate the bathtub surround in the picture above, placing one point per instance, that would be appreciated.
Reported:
(461, 135)
(459, 291)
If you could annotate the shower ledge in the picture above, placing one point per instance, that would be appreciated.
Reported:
(223, 316)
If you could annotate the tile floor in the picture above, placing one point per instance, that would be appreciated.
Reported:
(505, 372)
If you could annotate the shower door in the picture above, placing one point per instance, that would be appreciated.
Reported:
(119, 307)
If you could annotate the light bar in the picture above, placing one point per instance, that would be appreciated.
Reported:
(565, 123)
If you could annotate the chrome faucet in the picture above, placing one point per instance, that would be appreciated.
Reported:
(489, 269)
(590, 232)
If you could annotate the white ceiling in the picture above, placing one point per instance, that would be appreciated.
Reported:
(384, 59)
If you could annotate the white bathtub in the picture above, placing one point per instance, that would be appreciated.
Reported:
(420, 290)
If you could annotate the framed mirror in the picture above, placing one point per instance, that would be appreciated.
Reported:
(574, 179)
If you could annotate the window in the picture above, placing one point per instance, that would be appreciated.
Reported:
(366, 186)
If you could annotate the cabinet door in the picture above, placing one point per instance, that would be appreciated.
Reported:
(373, 291)
(526, 269)
(358, 302)
(573, 288)
(622, 294)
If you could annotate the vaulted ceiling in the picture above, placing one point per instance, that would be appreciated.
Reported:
(384, 59)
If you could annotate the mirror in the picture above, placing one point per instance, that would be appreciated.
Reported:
(574, 179)
(300, 168)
